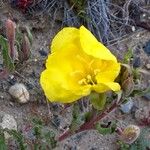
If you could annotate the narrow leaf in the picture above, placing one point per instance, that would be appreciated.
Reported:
(8, 62)
(2, 141)
(128, 56)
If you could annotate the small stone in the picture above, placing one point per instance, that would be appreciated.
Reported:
(19, 92)
(144, 15)
(35, 60)
(148, 66)
(136, 62)
(133, 28)
(126, 108)
(42, 52)
(147, 48)
(9, 122)
(146, 96)
(30, 86)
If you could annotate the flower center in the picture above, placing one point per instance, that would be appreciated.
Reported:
(89, 79)
(87, 76)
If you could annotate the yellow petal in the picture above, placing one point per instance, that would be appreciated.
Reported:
(92, 47)
(53, 85)
(66, 36)
(108, 72)
(103, 87)
(60, 79)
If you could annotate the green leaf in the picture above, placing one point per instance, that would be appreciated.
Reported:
(18, 137)
(128, 56)
(103, 130)
(2, 141)
(8, 62)
(98, 100)
(77, 119)
(29, 34)
(50, 139)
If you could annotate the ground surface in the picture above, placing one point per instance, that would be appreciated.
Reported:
(44, 29)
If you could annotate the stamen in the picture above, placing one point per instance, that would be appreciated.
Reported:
(89, 79)
(83, 82)
(96, 71)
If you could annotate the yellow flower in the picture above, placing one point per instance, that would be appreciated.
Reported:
(78, 65)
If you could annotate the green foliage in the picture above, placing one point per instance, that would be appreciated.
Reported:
(7, 60)
(143, 142)
(2, 141)
(128, 56)
(18, 137)
(29, 34)
(45, 138)
(98, 100)
(77, 119)
(123, 146)
(105, 130)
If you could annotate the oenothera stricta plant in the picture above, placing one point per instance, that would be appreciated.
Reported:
(78, 65)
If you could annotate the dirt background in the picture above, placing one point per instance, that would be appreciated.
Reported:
(43, 30)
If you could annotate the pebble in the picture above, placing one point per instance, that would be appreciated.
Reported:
(146, 96)
(42, 52)
(133, 28)
(19, 92)
(12, 80)
(9, 122)
(126, 108)
(136, 62)
(147, 48)
(148, 66)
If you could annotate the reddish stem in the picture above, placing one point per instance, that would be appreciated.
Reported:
(90, 124)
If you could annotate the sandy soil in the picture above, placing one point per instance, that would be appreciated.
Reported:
(44, 29)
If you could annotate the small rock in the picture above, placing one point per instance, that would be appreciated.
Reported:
(146, 96)
(133, 28)
(148, 66)
(11, 80)
(19, 92)
(136, 62)
(8, 122)
(42, 52)
(126, 108)
(147, 48)
(130, 134)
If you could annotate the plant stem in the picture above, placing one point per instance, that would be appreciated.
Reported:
(90, 124)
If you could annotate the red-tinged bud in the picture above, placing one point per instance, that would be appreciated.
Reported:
(10, 34)
(25, 48)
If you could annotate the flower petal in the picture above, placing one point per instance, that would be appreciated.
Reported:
(53, 85)
(64, 37)
(58, 80)
(103, 87)
(108, 72)
(92, 47)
